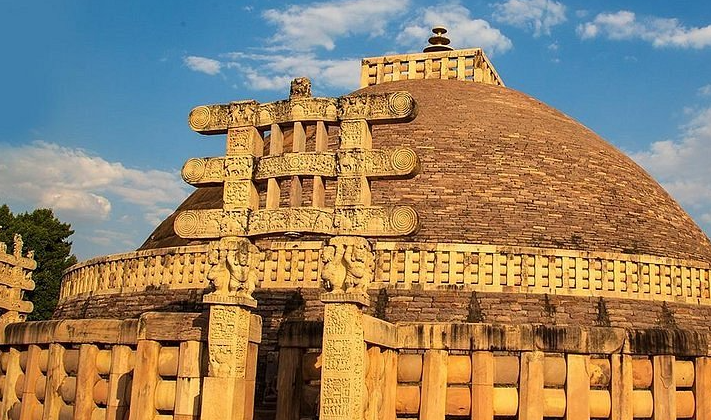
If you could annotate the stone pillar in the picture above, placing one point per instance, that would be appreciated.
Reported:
(343, 353)
(702, 388)
(531, 384)
(224, 390)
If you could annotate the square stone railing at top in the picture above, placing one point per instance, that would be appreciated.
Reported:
(470, 64)
(485, 268)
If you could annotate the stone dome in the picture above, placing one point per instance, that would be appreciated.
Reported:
(500, 167)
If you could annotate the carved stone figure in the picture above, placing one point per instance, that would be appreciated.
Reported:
(300, 88)
(348, 265)
(243, 113)
(333, 274)
(360, 263)
(17, 245)
(219, 277)
(233, 270)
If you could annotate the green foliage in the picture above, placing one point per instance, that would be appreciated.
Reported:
(47, 236)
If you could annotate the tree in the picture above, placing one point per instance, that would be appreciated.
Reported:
(43, 233)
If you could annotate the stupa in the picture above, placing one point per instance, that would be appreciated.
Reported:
(434, 245)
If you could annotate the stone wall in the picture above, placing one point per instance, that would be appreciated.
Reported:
(399, 305)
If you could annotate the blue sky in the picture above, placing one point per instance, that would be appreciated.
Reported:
(95, 94)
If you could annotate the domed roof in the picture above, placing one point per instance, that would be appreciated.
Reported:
(499, 167)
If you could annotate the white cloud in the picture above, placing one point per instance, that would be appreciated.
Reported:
(682, 166)
(466, 32)
(275, 71)
(538, 15)
(202, 64)
(302, 27)
(660, 32)
(80, 185)
(705, 90)
(107, 237)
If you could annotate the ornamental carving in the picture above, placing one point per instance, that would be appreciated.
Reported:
(243, 113)
(351, 191)
(254, 185)
(343, 371)
(228, 338)
(239, 195)
(292, 164)
(376, 221)
(232, 223)
(383, 107)
(300, 88)
(354, 220)
(15, 278)
(295, 219)
(244, 141)
(238, 167)
(233, 270)
(199, 223)
(378, 163)
(348, 265)
(217, 119)
(213, 171)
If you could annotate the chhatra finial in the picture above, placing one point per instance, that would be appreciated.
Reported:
(438, 41)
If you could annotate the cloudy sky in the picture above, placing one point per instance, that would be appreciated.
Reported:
(95, 94)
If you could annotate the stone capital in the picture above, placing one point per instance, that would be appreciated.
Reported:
(359, 299)
(227, 300)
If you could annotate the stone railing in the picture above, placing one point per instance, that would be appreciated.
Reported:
(485, 268)
(549, 372)
(147, 368)
(537, 270)
(175, 268)
(471, 64)
(485, 371)
(285, 265)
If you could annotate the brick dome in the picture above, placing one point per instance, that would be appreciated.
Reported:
(500, 167)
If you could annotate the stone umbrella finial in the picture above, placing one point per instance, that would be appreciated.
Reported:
(438, 41)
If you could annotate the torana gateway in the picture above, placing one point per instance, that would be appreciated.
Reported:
(432, 246)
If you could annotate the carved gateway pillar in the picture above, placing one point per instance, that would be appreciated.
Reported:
(228, 391)
(271, 147)
(15, 279)
(348, 269)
